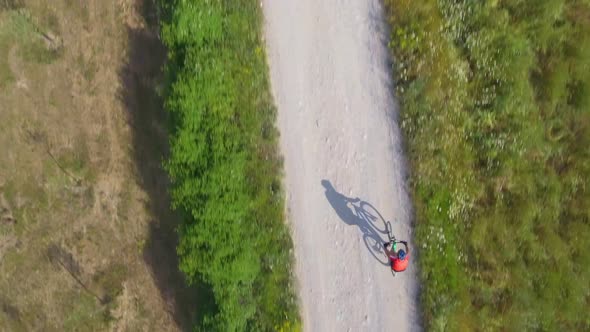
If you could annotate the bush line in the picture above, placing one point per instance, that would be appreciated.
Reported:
(224, 164)
(495, 102)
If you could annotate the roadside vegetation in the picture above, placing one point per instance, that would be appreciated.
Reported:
(224, 165)
(77, 246)
(495, 100)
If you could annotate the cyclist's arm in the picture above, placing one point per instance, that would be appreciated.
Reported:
(406, 245)
(389, 252)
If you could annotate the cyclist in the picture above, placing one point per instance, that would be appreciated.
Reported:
(399, 260)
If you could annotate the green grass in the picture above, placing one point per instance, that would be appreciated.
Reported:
(88, 67)
(19, 28)
(110, 281)
(496, 114)
(10, 4)
(225, 167)
(83, 313)
(6, 41)
(36, 51)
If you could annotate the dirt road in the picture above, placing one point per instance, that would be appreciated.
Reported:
(345, 171)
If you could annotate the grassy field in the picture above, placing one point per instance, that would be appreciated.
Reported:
(86, 233)
(225, 167)
(496, 112)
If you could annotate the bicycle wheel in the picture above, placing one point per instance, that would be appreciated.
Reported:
(373, 217)
(375, 248)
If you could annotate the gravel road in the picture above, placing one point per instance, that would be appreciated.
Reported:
(344, 164)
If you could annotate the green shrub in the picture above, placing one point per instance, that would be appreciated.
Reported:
(224, 164)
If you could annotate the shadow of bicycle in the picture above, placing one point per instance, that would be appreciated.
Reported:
(356, 212)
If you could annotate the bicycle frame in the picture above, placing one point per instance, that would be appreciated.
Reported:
(392, 238)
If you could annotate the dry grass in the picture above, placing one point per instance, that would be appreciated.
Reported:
(82, 204)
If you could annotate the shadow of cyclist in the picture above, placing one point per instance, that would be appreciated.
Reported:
(351, 211)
